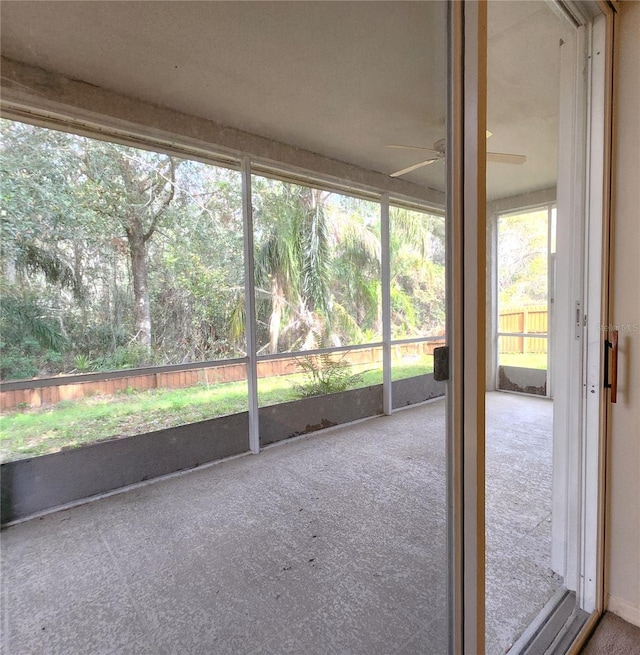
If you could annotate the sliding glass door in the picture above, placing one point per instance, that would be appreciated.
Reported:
(542, 67)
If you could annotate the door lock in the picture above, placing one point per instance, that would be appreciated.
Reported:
(441, 363)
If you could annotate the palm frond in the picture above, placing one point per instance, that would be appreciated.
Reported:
(23, 316)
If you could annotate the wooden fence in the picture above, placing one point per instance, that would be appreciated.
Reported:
(64, 387)
(523, 320)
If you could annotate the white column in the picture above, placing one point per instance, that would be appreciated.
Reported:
(493, 320)
(250, 307)
(385, 266)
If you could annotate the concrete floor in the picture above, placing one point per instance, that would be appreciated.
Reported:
(518, 515)
(329, 544)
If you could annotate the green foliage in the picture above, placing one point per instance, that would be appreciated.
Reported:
(73, 210)
(522, 259)
(69, 209)
(31, 340)
(82, 363)
(38, 259)
(72, 423)
(14, 365)
(131, 356)
(23, 318)
(291, 264)
(317, 267)
(323, 374)
(417, 273)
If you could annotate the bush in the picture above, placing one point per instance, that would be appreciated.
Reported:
(32, 342)
(82, 363)
(325, 375)
(131, 356)
(15, 365)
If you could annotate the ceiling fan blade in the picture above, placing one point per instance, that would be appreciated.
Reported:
(394, 145)
(505, 158)
(414, 167)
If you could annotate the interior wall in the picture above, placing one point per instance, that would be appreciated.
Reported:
(624, 526)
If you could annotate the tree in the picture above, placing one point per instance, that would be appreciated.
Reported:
(29, 336)
(291, 260)
(197, 267)
(133, 189)
(99, 231)
(417, 272)
(317, 265)
(136, 257)
(356, 258)
(522, 259)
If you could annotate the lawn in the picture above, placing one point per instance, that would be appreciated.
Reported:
(71, 423)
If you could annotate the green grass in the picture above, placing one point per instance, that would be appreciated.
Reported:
(71, 423)
(528, 360)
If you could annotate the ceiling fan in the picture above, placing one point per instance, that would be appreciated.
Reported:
(438, 152)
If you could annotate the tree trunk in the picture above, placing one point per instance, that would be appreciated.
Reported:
(142, 309)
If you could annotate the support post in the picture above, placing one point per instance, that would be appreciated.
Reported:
(385, 266)
(250, 307)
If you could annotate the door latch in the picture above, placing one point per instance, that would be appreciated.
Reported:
(441, 363)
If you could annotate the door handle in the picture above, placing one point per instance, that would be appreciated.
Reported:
(611, 345)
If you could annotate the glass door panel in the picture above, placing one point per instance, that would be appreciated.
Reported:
(523, 301)
(532, 110)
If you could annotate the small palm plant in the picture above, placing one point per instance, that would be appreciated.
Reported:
(323, 375)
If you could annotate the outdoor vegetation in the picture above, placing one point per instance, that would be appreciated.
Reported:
(27, 432)
(522, 259)
(115, 257)
(523, 287)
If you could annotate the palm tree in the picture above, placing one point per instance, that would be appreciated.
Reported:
(317, 267)
(291, 261)
(357, 288)
(417, 272)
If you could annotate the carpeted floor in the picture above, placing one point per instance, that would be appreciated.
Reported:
(613, 636)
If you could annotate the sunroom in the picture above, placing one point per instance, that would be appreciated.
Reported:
(230, 226)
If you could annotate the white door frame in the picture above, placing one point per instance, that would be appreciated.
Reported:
(578, 395)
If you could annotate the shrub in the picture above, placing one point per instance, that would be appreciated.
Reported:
(82, 363)
(323, 375)
(130, 356)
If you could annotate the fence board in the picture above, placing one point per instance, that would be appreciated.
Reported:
(68, 390)
(527, 320)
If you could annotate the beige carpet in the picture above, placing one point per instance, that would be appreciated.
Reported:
(613, 636)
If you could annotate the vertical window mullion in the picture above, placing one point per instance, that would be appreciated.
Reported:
(385, 266)
(250, 307)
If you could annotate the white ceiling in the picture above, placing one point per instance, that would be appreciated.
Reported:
(343, 79)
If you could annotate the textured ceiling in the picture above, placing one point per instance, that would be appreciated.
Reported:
(343, 79)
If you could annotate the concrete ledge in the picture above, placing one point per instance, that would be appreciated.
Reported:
(416, 390)
(523, 380)
(286, 420)
(41, 483)
(292, 419)
(33, 485)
